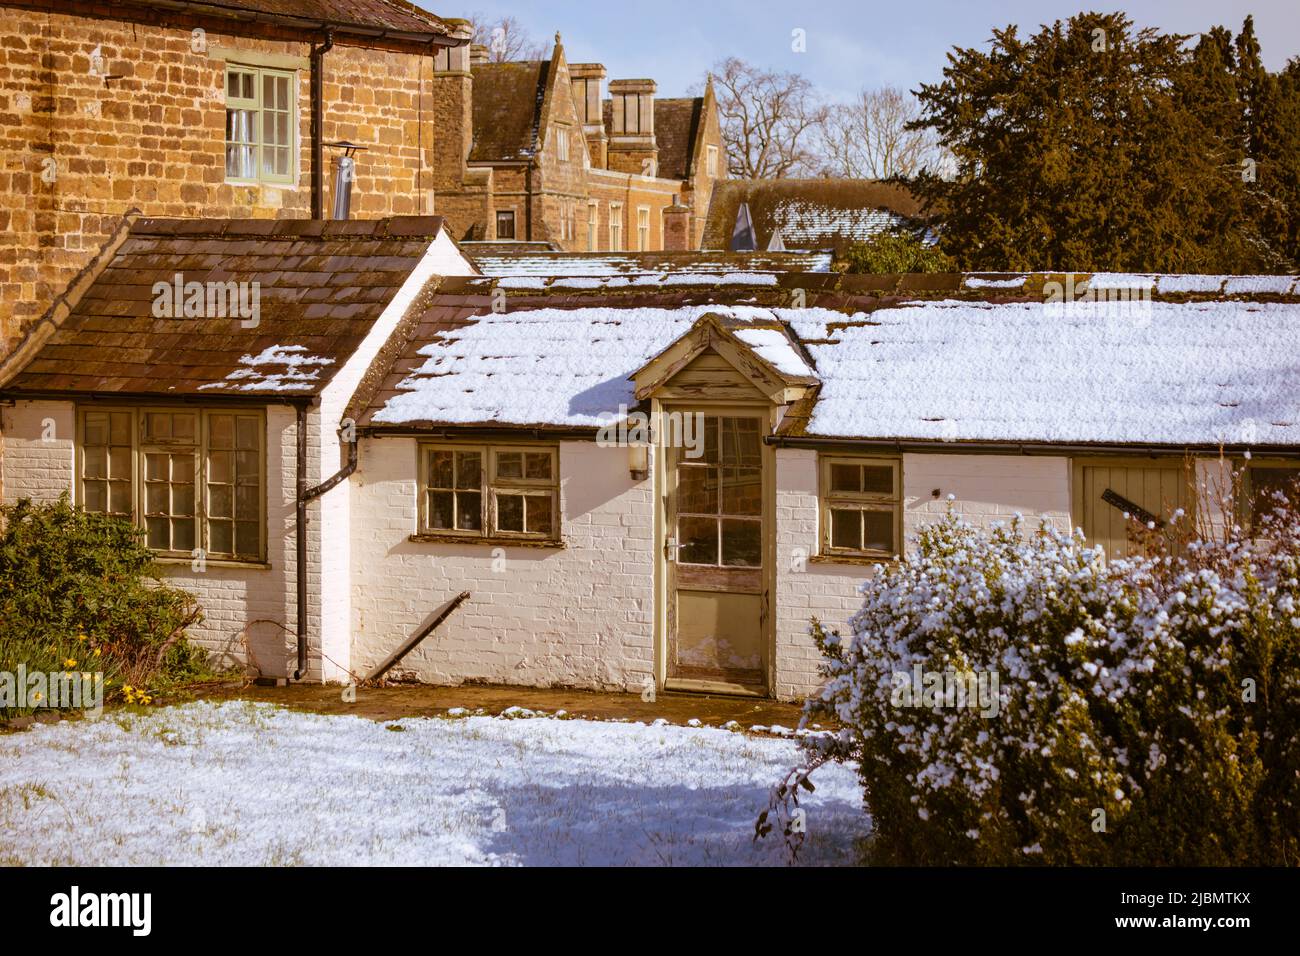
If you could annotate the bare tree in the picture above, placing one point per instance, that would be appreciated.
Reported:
(769, 120)
(869, 137)
(506, 39)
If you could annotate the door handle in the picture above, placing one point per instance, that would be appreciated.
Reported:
(671, 547)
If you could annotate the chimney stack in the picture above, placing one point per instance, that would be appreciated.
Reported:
(585, 80)
(632, 147)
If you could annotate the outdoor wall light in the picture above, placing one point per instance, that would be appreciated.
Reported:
(638, 462)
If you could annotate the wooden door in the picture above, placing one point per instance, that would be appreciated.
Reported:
(1107, 490)
(715, 541)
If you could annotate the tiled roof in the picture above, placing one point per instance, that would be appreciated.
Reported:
(507, 109)
(398, 16)
(914, 358)
(526, 262)
(811, 213)
(677, 122)
(320, 286)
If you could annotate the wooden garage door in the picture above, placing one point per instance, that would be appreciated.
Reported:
(1104, 490)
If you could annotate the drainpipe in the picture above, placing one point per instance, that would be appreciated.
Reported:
(318, 125)
(301, 542)
(306, 495)
(528, 203)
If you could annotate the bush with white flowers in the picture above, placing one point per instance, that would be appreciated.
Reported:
(1012, 697)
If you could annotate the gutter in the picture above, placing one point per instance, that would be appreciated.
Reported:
(1026, 448)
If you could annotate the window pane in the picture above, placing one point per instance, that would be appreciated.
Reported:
(246, 433)
(440, 469)
(183, 534)
(247, 541)
(95, 494)
(220, 466)
(120, 428)
(155, 499)
(510, 512)
(157, 425)
(119, 497)
(742, 491)
(159, 533)
(220, 504)
(510, 464)
(878, 528)
(742, 543)
(440, 509)
(539, 514)
(221, 431)
(537, 465)
(96, 428)
(95, 463)
(245, 464)
(246, 501)
(469, 510)
(119, 462)
(698, 538)
(846, 529)
(155, 467)
(221, 537)
(469, 470)
(697, 489)
(846, 478)
(878, 479)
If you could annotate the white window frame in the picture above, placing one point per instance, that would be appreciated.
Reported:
(711, 161)
(644, 230)
(256, 106)
(491, 486)
(860, 501)
(615, 227)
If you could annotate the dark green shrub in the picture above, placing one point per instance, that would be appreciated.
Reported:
(81, 592)
(896, 252)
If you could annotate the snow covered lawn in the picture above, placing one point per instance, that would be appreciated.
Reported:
(253, 784)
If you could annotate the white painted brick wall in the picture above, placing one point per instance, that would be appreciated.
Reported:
(577, 617)
(38, 450)
(232, 597)
(987, 489)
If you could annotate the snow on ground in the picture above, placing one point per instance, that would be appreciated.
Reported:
(254, 784)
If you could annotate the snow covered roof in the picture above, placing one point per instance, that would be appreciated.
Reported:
(525, 262)
(990, 363)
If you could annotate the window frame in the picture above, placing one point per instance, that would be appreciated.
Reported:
(497, 223)
(593, 225)
(1246, 506)
(562, 144)
(644, 229)
(616, 227)
(711, 162)
(256, 106)
(827, 500)
(140, 447)
(490, 485)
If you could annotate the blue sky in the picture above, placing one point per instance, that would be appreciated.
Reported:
(849, 44)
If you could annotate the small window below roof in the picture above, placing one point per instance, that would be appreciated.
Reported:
(505, 223)
(861, 506)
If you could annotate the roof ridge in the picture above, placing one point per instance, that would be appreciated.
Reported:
(406, 227)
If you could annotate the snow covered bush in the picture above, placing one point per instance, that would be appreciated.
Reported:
(1141, 711)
